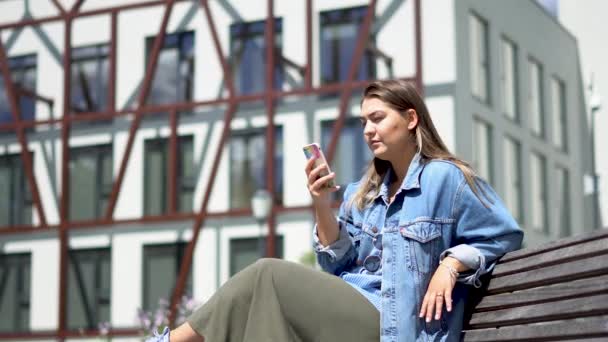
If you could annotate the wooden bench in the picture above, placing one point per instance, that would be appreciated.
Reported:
(555, 292)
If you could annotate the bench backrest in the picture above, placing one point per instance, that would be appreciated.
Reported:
(558, 291)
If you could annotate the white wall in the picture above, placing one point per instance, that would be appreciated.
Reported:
(587, 24)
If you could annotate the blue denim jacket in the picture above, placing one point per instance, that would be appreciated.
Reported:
(440, 216)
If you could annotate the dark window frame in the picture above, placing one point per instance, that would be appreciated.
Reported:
(249, 134)
(92, 314)
(260, 245)
(81, 55)
(160, 249)
(350, 15)
(18, 65)
(21, 203)
(102, 191)
(184, 184)
(175, 40)
(241, 32)
(22, 263)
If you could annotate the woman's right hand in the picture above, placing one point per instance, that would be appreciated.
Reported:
(317, 186)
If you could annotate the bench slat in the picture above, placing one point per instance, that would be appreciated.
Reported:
(554, 257)
(568, 271)
(588, 329)
(566, 309)
(527, 252)
(579, 288)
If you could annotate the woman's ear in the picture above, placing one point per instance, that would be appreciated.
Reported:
(412, 119)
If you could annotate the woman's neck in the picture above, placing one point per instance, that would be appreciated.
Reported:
(401, 164)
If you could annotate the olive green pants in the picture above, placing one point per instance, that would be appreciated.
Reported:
(275, 300)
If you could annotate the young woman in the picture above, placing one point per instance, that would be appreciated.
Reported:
(411, 238)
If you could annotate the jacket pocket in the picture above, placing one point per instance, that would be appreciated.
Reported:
(423, 245)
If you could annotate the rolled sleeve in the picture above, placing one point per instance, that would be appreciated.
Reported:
(336, 250)
(472, 258)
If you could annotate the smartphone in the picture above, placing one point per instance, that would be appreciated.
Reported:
(313, 150)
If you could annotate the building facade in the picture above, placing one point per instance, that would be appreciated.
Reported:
(146, 132)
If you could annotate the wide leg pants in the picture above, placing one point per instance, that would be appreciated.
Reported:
(279, 301)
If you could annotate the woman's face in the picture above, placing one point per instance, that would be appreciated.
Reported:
(386, 131)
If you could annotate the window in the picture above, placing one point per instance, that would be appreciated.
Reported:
(23, 72)
(161, 269)
(508, 79)
(15, 271)
(89, 283)
(480, 59)
(15, 195)
(173, 79)
(90, 79)
(156, 175)
(562, 201)
(248, 166)
(513, 180)
(339, 31)
(558, 107)
(245, 251)
(90, 181)
(535, 98)
(539, 192)
(352, 154)
(482, 149)
(248, 51)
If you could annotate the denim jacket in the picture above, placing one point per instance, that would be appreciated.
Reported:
(440, 216)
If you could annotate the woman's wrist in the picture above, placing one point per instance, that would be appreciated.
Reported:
(455, 264)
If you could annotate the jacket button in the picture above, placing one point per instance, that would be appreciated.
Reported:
(375, 230)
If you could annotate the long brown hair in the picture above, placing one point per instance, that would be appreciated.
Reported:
(401, 96)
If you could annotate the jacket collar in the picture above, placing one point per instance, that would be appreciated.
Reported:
(411, 180)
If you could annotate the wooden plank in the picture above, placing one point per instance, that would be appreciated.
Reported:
(589, 329)
(584, 250)
(566, 309)
(574, 289)
(549, 275)
(561, 243)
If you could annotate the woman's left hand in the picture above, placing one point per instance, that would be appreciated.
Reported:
(440, 290)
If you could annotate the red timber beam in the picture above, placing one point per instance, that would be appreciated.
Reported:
(418, 25)
(352, 74)
(26, 157)
(142, 99)
(64, 204)
(202, 213)
(308, 74)
(270, 136)
(59, 7)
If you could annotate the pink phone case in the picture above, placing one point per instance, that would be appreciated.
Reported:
(313, 150)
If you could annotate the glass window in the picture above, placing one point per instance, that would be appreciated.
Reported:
(15, 284)
(339, 31)
(173, 79)
(482, 149)
(562, 201)
(89, 284)
(508, 79)
(558, 107)
(352, 153)
(480, 60)
(15, 195)
(90, 181)
(161, 269)
(539, 192)
(248, 52)
(156, 175)
(23, 72)
(90, 78)
(536, 99)
(245, 251)
(248, 166)
(513, 180)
